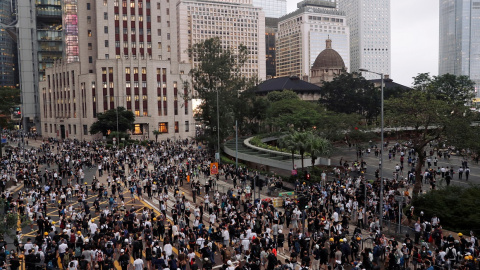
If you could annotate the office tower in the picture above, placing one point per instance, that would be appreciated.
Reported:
(235, 22)
(301, 37)
(272, 8)
(370, 43)
(7, 46)
(40, 44)
(459, 39)
(271, 28)
(118, 53)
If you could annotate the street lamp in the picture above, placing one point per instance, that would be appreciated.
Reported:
(116, 110)
(381, 149)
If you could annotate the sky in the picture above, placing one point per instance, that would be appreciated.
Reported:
(414, 36)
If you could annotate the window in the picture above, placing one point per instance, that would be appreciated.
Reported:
(90, 46)
(176, 126)
(135, 70)
(105, 16)
(137, 129)
(89, 33)
(159, 19)
(158, 5)
(106, 43)
(159, 32)
(187, 126)
(137, 98)
(74, 129)
(105, 29)
(145, 113)
(88, 6)
(127, 70)
(90, 59)
(137, 113)
(117, 44)
(168, 36)
(144, 70)
(85, 130)
(107, 56)
(163, 127)
(89, 19)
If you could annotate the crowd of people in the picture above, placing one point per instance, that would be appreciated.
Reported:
(101, 223)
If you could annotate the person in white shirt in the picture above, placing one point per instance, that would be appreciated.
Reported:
(226, 237)
(138, 264)
(93, 227)
(200, 242)
(28, 246)
(168, 249)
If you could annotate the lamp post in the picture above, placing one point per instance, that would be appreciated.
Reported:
(116, 110)
(381, 149)
(218, 129)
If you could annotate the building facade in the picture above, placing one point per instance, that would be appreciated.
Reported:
(236, 22)
(7, 46)
(370, 35)
(118, 53)
(301, 36)
(272, 8)
(271, 28)
(459, 51)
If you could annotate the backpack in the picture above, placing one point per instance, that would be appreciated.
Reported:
(99, 256)
(66, 258)
(72, 238)
(158, 251)
(449, 254)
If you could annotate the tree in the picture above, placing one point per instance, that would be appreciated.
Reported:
(288, 142)
(156, 133)
(218, 73)
(454, 90)
(282, 95)
(430, 116)
(10, 97)
(351, 93)
(301, 143)
(293, 114)
(317, 147)
(107, 121)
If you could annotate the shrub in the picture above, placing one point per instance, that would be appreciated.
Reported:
(456, 206)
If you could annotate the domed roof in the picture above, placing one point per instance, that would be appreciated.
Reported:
(329, 59)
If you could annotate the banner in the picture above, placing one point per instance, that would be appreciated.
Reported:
(214, 168)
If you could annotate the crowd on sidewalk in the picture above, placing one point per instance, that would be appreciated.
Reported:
(99, 223)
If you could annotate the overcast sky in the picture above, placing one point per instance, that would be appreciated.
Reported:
(414, 38)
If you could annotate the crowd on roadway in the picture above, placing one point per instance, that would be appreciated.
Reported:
(158, 207)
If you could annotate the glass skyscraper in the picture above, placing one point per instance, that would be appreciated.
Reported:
(7, 47)
(272, 8)
(459, 52)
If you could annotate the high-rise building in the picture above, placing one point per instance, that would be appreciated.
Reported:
(272, 8)
(271, 28)
(459, 39)
(40, 44)
(301, 36)
(7, 46)
(118, 53)
(235, 22)
(370, 42)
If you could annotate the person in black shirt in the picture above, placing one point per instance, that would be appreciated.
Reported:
(124, 260)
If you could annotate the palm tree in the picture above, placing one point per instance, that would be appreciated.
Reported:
(288, 143)
(317, 147)
(156, 133)
(301, 143)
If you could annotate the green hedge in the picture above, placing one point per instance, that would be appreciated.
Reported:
(456, 206)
